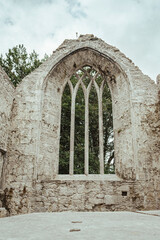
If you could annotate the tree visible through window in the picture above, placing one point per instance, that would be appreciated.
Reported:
(86, 137)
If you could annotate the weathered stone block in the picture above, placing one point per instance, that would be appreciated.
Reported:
(3, 212)
(110, 199)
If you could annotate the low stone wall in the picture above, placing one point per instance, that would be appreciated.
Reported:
(82, 195)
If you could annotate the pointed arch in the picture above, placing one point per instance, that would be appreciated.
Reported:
(86, 128)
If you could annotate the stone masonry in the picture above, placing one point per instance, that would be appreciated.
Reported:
(30, 118)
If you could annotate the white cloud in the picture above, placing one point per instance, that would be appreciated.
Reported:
(130, 25)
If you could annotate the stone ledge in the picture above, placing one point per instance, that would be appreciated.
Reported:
(90, 177)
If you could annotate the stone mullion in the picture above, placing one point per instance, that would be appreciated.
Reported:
(101, 144)
(100, 120)
(86, 155)
(86, 166)
(86, 159)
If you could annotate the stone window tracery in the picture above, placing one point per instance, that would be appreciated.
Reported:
(88, 79)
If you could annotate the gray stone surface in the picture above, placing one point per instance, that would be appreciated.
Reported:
(6, 99)
(82, 226)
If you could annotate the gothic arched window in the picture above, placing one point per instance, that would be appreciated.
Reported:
(86, 138)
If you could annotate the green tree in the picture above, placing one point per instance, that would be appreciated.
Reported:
(65, 132)
(17, 63)
(80, 129)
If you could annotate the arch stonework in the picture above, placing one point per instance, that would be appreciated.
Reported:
(30, 177)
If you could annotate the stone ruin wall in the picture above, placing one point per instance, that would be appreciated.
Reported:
(6, 99)
(30, 179)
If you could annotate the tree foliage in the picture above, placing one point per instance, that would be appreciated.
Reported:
(17, 63)
(94, 166)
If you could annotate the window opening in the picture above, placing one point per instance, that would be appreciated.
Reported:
(87, 146)
(93, 132)
(108, 137)
(65, 131)
(79, 132)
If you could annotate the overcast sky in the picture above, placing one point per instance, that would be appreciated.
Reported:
(133, 26)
